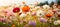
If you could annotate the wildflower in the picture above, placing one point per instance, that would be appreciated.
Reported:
(32, 23)
(49, 15)
(26, 9)
(16, 9)
(33, 13)
(40, 13)
(23, 15)
(43, 20)
(2, 19)
(57, 22)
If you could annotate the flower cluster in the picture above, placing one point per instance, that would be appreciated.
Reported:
(30, 16)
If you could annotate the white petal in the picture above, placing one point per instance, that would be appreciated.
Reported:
(23, 15)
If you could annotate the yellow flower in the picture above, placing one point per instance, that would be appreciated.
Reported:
(13, 25)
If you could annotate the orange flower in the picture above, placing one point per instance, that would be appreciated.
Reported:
(49, 15)
(25, 8)
(23, 2)
(13, 25)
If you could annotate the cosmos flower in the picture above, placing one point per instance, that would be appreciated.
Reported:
(54, 11)
(26, 9)
(33, 13)
(16, 9)
(23, 15)
(40, 13)
(32, 23)
(57, 22)
(2, 19)
(49, 15)
(58, 15)
(46, 6)
(3, 12)
(23, 2)
(7, 12)
(43, 20)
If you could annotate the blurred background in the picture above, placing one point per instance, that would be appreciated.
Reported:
(9, 2)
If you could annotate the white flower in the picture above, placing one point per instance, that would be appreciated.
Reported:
(57, 22)
(40, 13)
(46, 6)
(23, 15)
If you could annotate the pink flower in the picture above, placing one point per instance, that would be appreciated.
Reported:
(54, 11)
(43, 20)
(32, 23)
(7, 12)
(2, 19)
(33, 13)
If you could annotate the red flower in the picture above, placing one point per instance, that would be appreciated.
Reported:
(49, 15)
(25, 8)
(16, 9)
(58, 15)
(54, 11)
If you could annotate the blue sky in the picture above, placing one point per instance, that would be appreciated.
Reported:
(8, 2)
